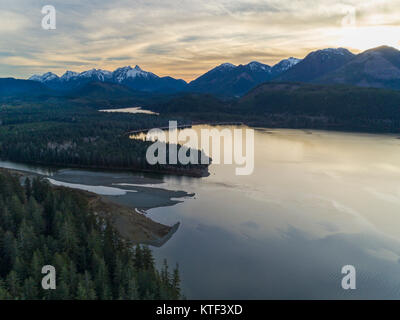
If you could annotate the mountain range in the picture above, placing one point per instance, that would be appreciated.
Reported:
(134, 78)
(225, 80)
(230, 80)
(378, 67)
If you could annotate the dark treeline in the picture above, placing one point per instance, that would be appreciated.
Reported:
(41, 225)
(296, 105)
(340, 107)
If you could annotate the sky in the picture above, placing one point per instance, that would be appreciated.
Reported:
(185, 38)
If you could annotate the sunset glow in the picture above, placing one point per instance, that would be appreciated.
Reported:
(183, 39)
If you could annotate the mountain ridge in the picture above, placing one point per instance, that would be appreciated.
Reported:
(135, 78)
(376, 67)
(316, 64)
(228, 79)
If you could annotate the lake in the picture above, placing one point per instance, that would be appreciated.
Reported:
(316, 201)
(130, 110)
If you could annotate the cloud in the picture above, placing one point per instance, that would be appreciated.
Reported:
(11, 22)
(119, 58)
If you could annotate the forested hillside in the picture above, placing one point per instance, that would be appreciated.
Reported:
(338, 107)
(58, 131)
(296, 105)
(41, 225)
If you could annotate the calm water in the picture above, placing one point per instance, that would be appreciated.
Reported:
(316, 201)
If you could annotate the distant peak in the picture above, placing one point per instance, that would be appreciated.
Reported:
(382, 48)
(255, 65)
(124, 68)
(292, 59)
(285, 64)
(127, 68)
(122, 74)
(48, 76)
(69, 75)
(98, 74)
(227, 65)
(339, 51)
(255, 62)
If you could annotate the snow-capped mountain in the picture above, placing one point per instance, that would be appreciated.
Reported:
(48, 76)
(68, 75)
(122, 74)
(135, 78)
(284, 65)
(228, 79)
(96, 74)
(330, 51)
(226, 66)
(257, 66)
(139, 79)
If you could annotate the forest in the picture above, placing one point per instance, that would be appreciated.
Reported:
(65, 132)
(296, 106)
(42, 225)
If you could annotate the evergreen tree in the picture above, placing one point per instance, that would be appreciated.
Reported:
(55, 226)
(28, 188)
(176, 282)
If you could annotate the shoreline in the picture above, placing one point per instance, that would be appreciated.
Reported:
(133, 225)
(193, 172)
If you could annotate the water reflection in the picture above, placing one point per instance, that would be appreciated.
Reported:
(316, 201)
